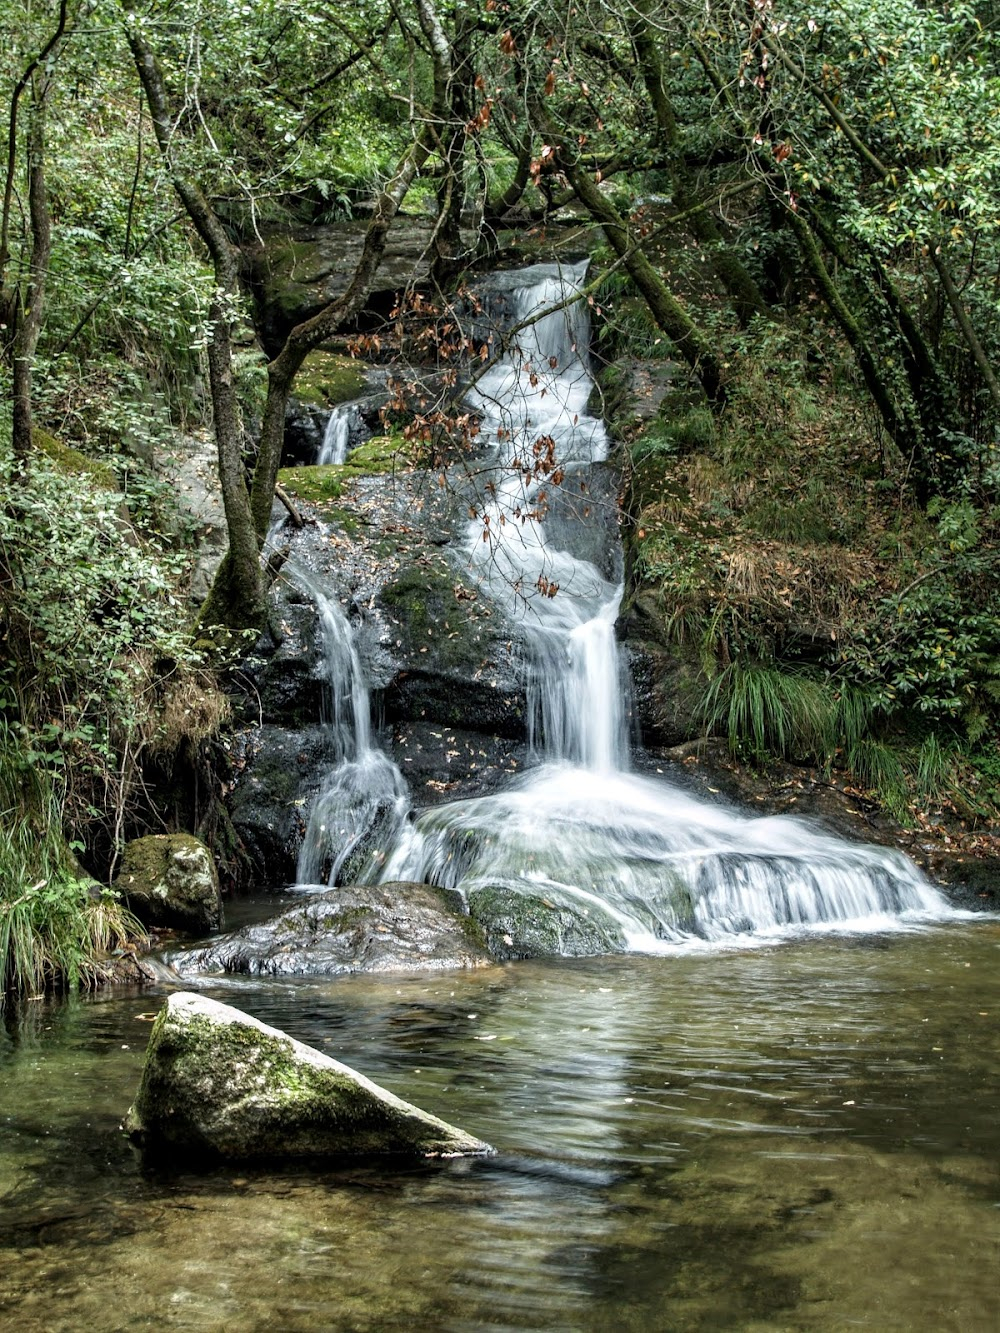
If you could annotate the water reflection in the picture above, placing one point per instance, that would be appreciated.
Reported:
(803, 1137)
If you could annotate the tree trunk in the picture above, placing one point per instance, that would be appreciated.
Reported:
(668, 312)
(746, 296)
(243, 604)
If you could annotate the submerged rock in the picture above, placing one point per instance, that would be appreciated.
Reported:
(219, 1083)
(517, 924)
(169, 879)
(377, 928)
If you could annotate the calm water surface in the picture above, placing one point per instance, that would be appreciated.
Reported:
(799, 1137)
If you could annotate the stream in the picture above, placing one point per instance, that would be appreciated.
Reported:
(801, 1136)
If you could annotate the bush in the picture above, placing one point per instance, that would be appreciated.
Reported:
(56, 926)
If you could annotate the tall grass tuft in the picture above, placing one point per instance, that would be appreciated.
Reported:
(879, 767)
(56, 927)
(766, 711)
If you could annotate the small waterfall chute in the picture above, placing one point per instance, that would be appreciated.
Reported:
(341, 427)
(364, 798)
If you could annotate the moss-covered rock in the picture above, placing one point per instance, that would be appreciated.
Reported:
(169, 879)
(324, 484)
(358, 928)
(72, 461)
(218, 1083)
(325, 379)
(519, 924)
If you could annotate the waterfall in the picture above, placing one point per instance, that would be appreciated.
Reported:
(337, 435)
(364, 795)
(658, 867)
(539, 391)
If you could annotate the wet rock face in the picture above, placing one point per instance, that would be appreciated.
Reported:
(281, 770)
(441, 662)
(524, 925)
(218, 1083)
(442, 763)
(169, 880)
(296, 274)
(381, 928)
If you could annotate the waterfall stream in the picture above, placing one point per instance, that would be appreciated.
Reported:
(337, 435)
(646, 864)
(363, 792)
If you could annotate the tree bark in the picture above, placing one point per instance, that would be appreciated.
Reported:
(746, 296)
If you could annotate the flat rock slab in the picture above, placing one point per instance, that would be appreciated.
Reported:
(218, 1083)
(395, 927)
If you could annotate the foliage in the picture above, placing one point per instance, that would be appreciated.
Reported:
(56, 926)
(97, 637)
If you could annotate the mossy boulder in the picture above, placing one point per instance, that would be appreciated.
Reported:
(72, 462)
(325, 379)
(396, 927)
(218, 1083)
(521, 924)
(170, 879)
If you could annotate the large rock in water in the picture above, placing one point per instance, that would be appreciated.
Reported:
(360, 928)
(169, 879)
(219, 1083)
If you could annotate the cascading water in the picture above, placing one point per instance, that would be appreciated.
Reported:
(341, 422)
(646, 863)
(364, 792)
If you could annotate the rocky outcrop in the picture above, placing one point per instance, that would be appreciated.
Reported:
(280, 770)
(218, 1083)
(379, 928)
(296, 274)
(170, 880)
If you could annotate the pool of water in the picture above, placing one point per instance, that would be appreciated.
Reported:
(798, 1137)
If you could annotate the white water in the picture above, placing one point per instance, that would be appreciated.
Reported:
(364, 792)
(337, 435)
(652, 866)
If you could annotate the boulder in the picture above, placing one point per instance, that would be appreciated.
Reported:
(393, 927)
(169, 879)
(218, 1083)
(520, 924)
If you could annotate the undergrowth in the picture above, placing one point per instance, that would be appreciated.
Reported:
(835, 623)
(57, 927)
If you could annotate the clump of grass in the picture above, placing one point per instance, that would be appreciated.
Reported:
(878, 766)
(57, 928)
(764, 711)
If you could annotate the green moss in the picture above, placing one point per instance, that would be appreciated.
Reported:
(348, 918)
(326, 379)
(325, 484)
(146, 859)
(520, 925)
(316, 484)
(69, 460)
